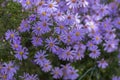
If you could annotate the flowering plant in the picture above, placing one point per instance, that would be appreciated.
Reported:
(63, 39)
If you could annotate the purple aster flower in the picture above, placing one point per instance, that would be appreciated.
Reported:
(44, 24)
(95, 52)
(8, 71)
(69, 18)
(69, 73)
(61, 28)
(79, 51)
(62, 6)
(92, 26)
(111, 45)
(115, 78)
(83, 3)
(28, 76)
(39, 3)
(11, 35)
(116, 22)
(27, 4)
(37, 29)
(90, 45)
(37, 41)
(24, 26)
(73, 74)
(16, 44)
(106, 25)
(51, 6)
(113, 8)
(32, 17)
(102, 64)
(57, 73)
(21, 53)
(67, 37)
(111, 33)
(78, 34)
(97, 38)
(59, 17)
(67, 54)
(43, 13)
(51, 44)
(73, 4)
(46, 66)
(40, 58)
(117, 1)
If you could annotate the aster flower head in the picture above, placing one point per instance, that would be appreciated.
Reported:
(27, 76)
(46, 66)
(45, 26)
(116, 22)
(83, 3)
(59, 17)
(21, 53)
(63, 6)
(79, 51)
(27, 4)
(37, 41)
(51, 44)
(115, 78)
(95, 52)
(16, 44)
(51, 6)
(111, 45)
(69, 72)
(102, 64)
(61, 28)
(9, 70)
(78, 34)
(11, 35)
(72, 4)
(43, 13)
(67, 37)
(103, 10)
(40, 57)
(67, 54)
(57, 73)
(69, 18)
(97, 39)
(92, 26)
(37, 29)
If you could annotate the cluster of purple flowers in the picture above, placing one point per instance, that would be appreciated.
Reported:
(68, 29)
(8, 70)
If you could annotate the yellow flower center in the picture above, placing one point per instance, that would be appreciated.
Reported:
(51, 44)
(44, 13)
(12, 35)
(77, 33)
(50, 5)
(28, 2)
(97, 38)
(61, 27)
(16, 46)
(79, 54)
(119, 22)
(4, 76)
(44, 24)
(38, 28)
(68, 53)
(41, 3)
(21, 53)
(73, 1)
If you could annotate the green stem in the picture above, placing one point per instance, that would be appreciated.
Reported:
(86, 73)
